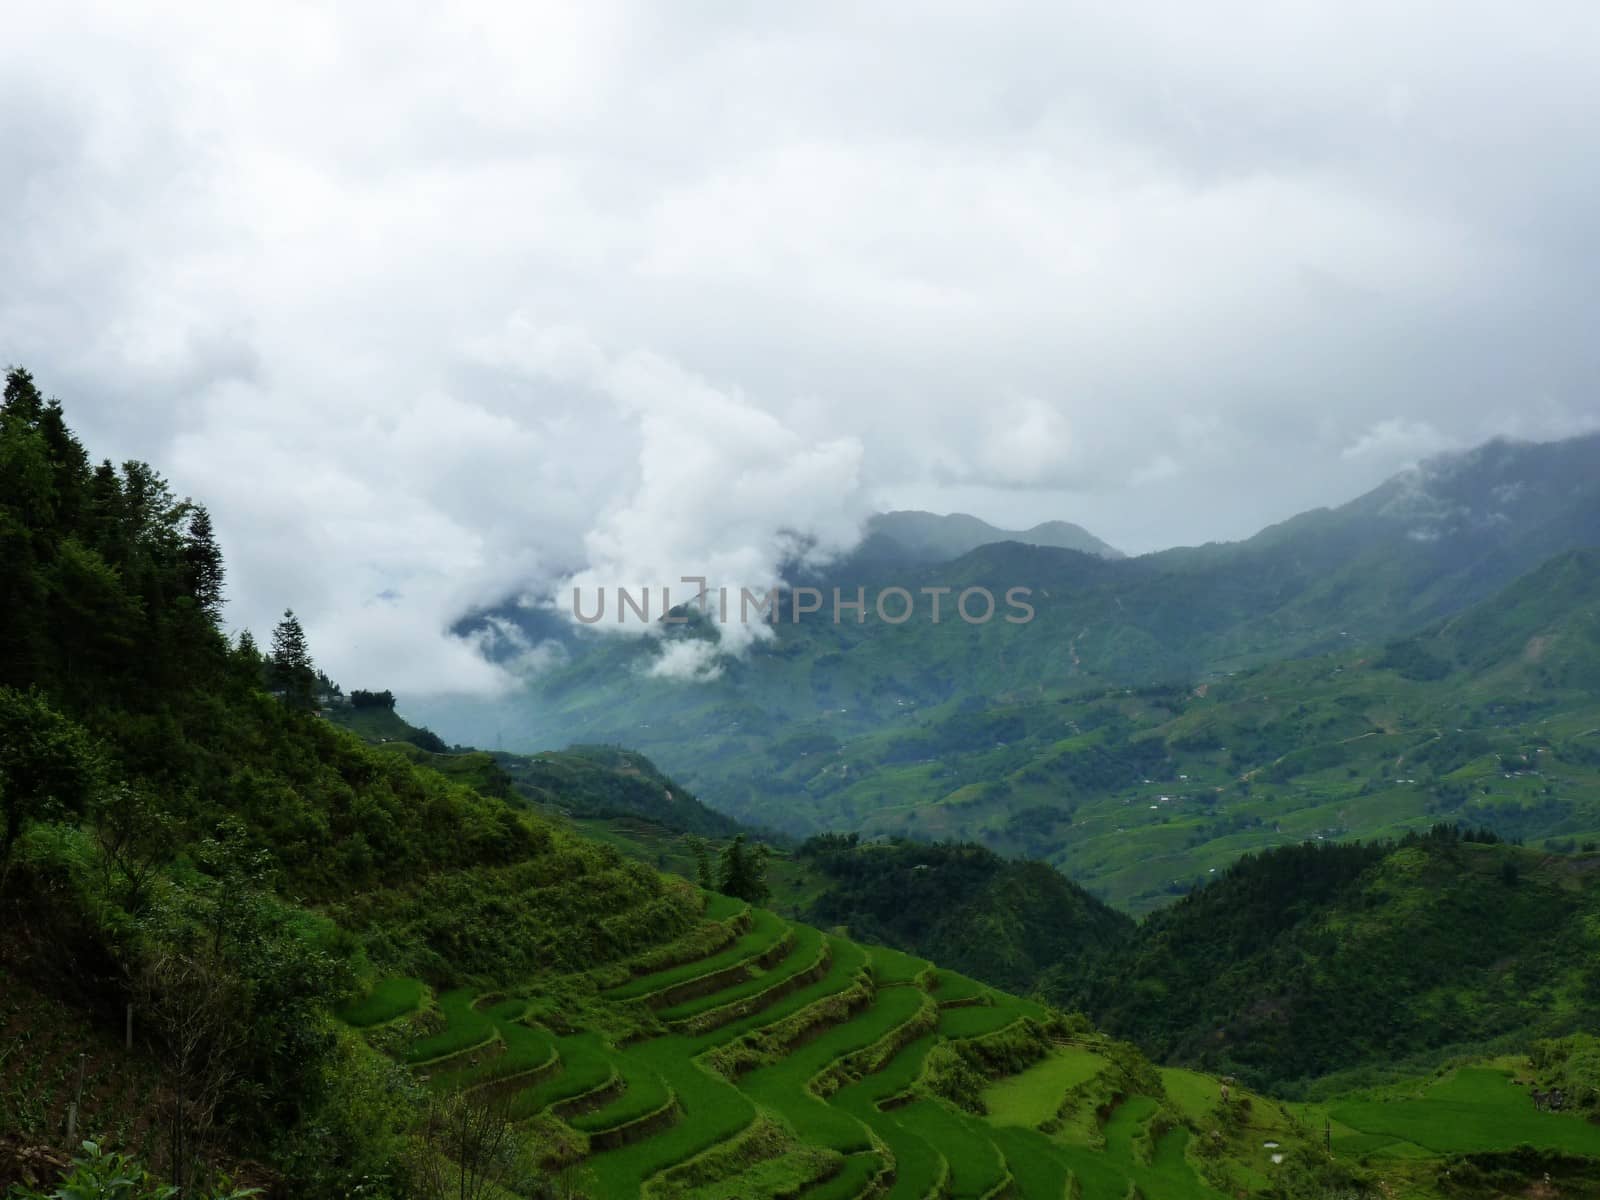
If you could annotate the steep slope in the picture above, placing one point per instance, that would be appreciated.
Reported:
(1311, 959)
(1138, 793)
(1004, 921)
(1423, 547)
(596, 782)
(520, 1011)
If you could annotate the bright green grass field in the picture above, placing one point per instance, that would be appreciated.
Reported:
(802, 956)
(975, 1020)
(714, 1110)
(976, 1164)
(585, 1066)
(1476, 1108)
(1036, 1094)
(951, 987)
(892, 967)
(465, 1027)
(850, 1182)
(781, 1087)
(765, 930)
(918, 1166)
(390, 999)
(525, 1049)
(645, 1092)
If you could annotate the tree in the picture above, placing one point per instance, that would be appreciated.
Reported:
(47, 765)
(702, 864)
(22, 399)
(202, 561)
(197, 1008)
(290, 669)
(469, 1149)
(134, 838)
(744, 872)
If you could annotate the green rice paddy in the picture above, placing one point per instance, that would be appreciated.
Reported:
(833, 1146)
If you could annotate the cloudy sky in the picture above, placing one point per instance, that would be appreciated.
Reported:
(433, 308)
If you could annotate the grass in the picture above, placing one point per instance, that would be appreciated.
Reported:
(390, 999)
(465, 1028)
(1040, 1174)
(851, 1181)
(585, 1066)
(782, 1086)
(714, 1110)
(644, 1092)
(935, 1146)
(1194, 1094)
(1035, 1094)
(951, 988)
(976, 1166)
(975, 1020)
(526, 1049)
(1475, 1109)
(802, 956)
(766, 928)
(892, 967)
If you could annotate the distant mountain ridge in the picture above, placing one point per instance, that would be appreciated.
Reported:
(910, 535)
(858, 726)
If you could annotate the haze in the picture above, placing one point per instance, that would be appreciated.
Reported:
(434, 309)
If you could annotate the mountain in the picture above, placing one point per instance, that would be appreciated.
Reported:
(581, 782)
(1311, 959)
(1492, 717)
(1006, 921)
(1043, 737)
(239, 936)
(924, 537)
(240, 941)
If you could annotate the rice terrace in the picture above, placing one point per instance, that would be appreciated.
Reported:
(761, 1058)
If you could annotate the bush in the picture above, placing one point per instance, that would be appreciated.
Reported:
(101, 1174)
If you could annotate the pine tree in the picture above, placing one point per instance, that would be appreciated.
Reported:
(70, 464)
(244, 661)
(291, 672)
(23, 403)
(203, 564)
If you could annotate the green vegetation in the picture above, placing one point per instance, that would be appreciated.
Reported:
(1032, 1097)
(1322, 957)
(1039, 738)
(389, 999)
(394, 970)
(765, 932)
(1472, 1109)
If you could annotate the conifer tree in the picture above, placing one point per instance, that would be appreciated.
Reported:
(203, 562)
(291, 672)
(22, 400)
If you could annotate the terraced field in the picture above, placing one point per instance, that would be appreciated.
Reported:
(1473, 1108)
(782, 1062)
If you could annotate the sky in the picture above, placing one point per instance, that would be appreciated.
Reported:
(439, 305)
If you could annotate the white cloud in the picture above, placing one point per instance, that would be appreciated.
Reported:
(693, 661)
(452, 305)
(1397, 442)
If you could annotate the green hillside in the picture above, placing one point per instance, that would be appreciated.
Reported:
(597, 783)
(1491, 717)
(759, 740)
(1309, 960)
(248, 946)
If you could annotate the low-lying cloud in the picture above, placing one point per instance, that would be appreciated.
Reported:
(478, 303)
